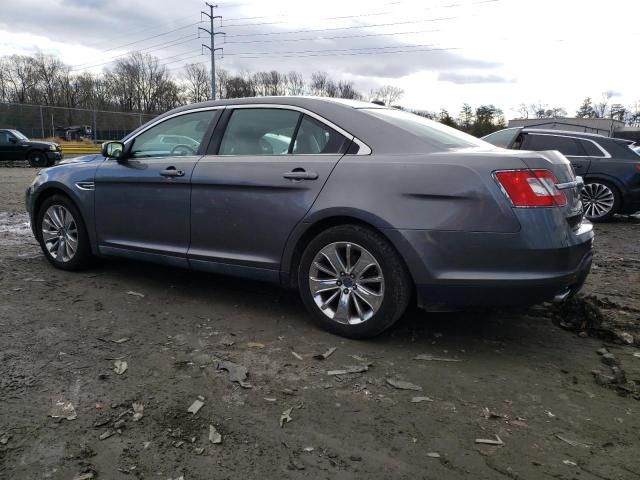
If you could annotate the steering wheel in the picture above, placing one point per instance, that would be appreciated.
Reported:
(181, 150)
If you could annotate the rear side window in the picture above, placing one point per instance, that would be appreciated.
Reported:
(565, 145)
(259, 131)
(432, 132)
(591, 149)
(501, 138)
(278, 131)
(314, 137)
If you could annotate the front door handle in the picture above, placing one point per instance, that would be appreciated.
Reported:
(300, 174)
(172, 172)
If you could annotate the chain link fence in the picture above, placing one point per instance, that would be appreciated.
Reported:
(42, 121)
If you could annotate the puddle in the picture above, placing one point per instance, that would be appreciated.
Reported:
(15, 231)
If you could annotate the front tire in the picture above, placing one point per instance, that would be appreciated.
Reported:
(601, 201)
(37, 159)
(353, 282)
(62, 234)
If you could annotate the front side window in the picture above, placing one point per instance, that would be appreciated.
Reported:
(538, 143)
(4, 138)
(18, 135)
(259, 131)
(175, 137)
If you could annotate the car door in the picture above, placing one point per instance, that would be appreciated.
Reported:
(570, 147)
(4, 145)
(142, 202)
(10, 146)
(266, 166)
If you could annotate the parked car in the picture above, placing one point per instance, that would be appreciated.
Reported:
(610, 167)
(16, 146)
(367, 208)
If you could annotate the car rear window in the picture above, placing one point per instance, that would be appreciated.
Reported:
(432, 132)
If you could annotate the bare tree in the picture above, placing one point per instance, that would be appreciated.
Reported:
(602, 107)
(198, 82)
(295, 83)
(388, 94)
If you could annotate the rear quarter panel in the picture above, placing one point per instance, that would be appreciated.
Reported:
(441, 191)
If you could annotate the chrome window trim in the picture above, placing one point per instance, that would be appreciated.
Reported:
(604, 152)
(177, 114)
(364, 149)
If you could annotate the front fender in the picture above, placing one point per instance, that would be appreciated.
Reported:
(64, 180)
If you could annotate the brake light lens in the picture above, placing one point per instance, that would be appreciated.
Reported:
(531, 188)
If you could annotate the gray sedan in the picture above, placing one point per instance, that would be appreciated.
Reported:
(361, 208)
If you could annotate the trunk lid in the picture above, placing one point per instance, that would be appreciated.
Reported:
(568, 183)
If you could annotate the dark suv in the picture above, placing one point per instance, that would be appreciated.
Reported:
(610, 167)
(16, 146)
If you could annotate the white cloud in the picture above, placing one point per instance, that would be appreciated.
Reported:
(504, 52)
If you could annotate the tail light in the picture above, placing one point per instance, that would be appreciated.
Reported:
(531, 188)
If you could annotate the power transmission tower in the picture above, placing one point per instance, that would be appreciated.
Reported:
(212, 48)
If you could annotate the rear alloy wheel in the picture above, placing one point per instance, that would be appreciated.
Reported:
(353, 281)
(37, 159)
(62, 233)
(600, 201)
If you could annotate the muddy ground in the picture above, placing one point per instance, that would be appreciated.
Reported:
(520, 377)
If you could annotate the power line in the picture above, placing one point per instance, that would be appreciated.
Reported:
(269, 54)
(343, 28)
(161, 46)
(359, 15)
(359, 53)
(140, 31)
(334, 37)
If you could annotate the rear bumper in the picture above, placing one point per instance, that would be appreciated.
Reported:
(461, 269)
(515, 292)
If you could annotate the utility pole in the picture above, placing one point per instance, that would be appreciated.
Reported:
(212, 48)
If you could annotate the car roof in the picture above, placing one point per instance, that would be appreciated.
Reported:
(573, 133)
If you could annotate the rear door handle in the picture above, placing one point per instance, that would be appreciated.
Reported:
(172, 172)
(300, 174)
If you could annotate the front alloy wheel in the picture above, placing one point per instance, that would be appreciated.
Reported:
(60, 233)
(347, 283)
(599, 200)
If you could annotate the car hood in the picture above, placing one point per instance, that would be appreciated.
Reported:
(40, 144)
(82, 159)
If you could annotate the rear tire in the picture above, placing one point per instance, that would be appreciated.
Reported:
(62, 234)
(353, 282)
(37, 159)
(601, 200)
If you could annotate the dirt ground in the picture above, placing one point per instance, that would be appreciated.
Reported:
(519, 377)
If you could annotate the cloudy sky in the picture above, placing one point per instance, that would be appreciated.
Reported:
(442, 52)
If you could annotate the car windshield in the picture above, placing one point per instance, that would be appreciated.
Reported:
(433, 132)
(19, 135)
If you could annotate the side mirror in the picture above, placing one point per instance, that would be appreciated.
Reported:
(113, 150)
(13, 140)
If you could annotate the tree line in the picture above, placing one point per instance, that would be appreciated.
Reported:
(139, 83)
(589, 108)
